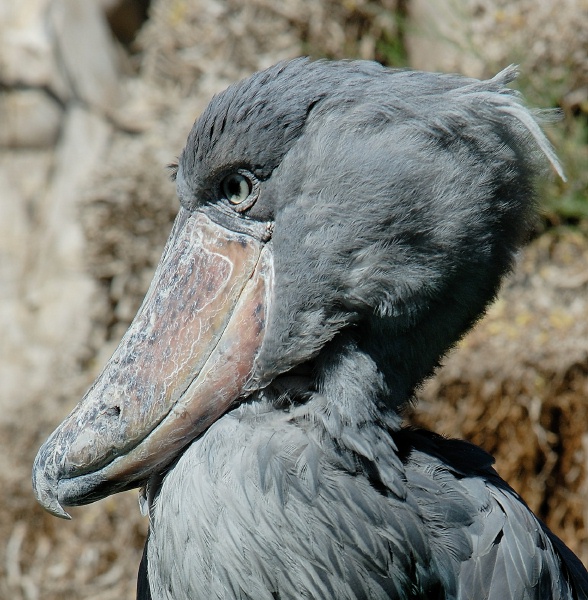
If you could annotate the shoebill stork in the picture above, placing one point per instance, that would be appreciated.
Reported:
(342, 225)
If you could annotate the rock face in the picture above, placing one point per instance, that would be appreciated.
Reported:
(50, 144)
(85, 206)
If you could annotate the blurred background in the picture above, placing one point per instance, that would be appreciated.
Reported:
(96, 98)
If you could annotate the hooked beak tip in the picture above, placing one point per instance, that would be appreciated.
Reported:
(50, 503)
(46, 491)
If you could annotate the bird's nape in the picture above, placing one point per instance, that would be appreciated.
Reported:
(342, 226)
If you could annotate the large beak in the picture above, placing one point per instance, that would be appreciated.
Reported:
(188, 356)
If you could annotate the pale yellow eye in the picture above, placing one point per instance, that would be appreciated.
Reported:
(236, 188)
(240, 189)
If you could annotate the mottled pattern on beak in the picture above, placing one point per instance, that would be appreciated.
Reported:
(185, 359)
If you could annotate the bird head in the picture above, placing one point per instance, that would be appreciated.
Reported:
(326, 208)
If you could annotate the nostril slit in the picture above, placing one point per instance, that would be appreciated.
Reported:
(113, 411)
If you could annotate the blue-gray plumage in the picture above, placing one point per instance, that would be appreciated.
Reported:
(342, 226)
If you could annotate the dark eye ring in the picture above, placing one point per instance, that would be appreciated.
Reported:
(241, 189)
